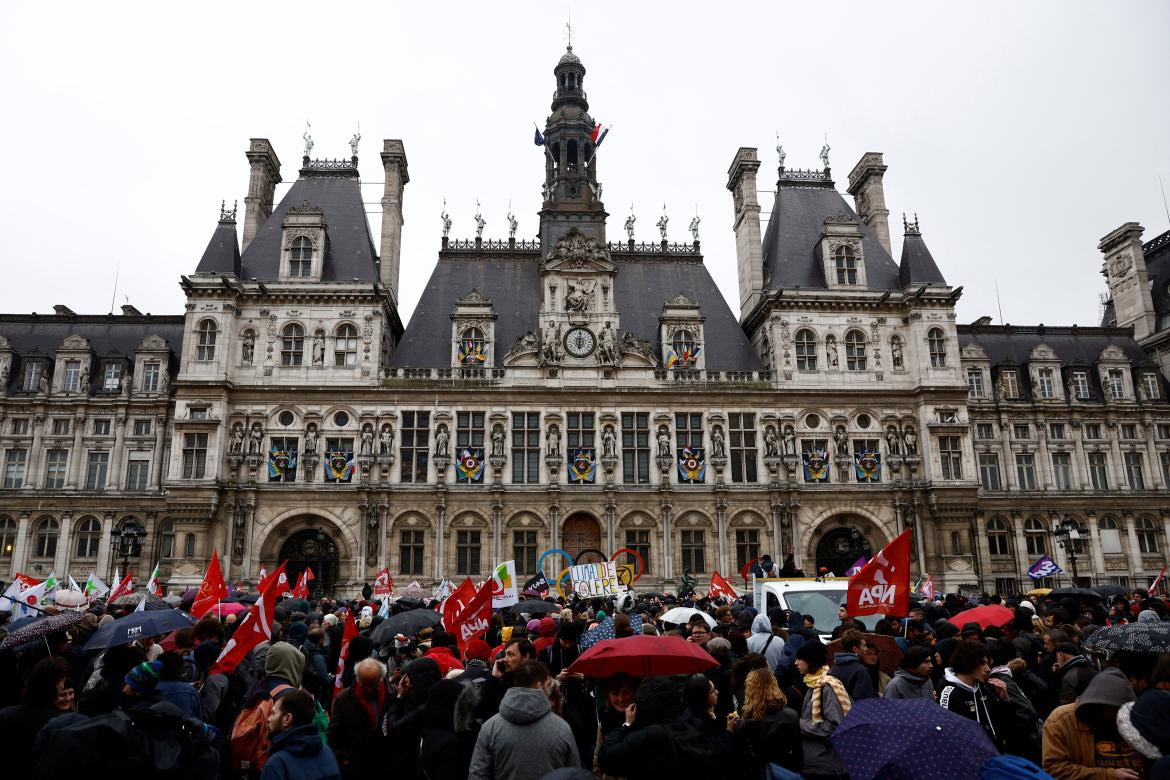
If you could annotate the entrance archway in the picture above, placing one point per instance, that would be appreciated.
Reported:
(582, 534)
(839, 548)
(312, 547)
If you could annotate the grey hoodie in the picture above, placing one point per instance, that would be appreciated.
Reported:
(525, 741)
(909, 686)
(761, 630)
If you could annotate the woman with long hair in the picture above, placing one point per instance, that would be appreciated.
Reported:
(769, 730)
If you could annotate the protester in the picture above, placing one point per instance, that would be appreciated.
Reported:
(825, 707)
(296, 751)
(768, 732)
(847, 667)
(1081, 739)
(20, 723)
(765, 641)
(355, 727)
(912, 679)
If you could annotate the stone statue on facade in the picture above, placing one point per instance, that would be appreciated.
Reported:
(442, 442)
(162, 383)
(247, 351)
(354, 141)
(831, 351)
(311, 439)
(550, 342)
(663, 442)
(318, 350)
(4, 379)
(578, 295)
(780, 150)
(552, 442)
(910, 440)
(771, 443)
(372, 536)
(367, 445)
(686, 585)
(841, 442)
(498, 437)
(386, 439)
(255, 439)
(896, 352)
(630, 220)
(608, 443)
(446, 218)
(718, 443)
(512, 225)
(695, 227)
(1071, 389)
(237, 444)
(824, 155)
(789, 441)
(83, 384)
(663, 221)
(43, 384)
(308, 136)
(607, 353)
(892, 443)
(479, 221)
(126, 385)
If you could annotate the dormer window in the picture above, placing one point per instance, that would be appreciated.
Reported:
(1081, 383)
(845, 261)
(1046, 387)
(205, 336)
(1150, 382)
(111, 376)
(936, 344)
(855, 350)
(33, 371)
(686, 349)
(1116, 383)
(72, 376)
(300, 260)
(806, 351)
(1011, 388)
(292, 345)
(472, 347)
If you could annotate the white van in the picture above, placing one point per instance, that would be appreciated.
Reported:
(819, 598)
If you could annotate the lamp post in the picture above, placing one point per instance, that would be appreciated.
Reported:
(127, 541)
(1068, 533)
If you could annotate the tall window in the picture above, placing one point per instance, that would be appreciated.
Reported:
(1046, 388)
(1116, 383)
(984, 431)
(1147, 535)
(342, 444)
(20, 426)
(166, 539)
(997, 536)
(1022, 431)
(189, 546)
(684, 347)
(639, 541)
(526, 447)
(97, 470)
(205, 336)
(137, 473)
(524, 551)
(1165, 458)
(300, 258)
(62, 426)
(45, 538)
(282, 454)
(467, 549)
(1035, 537)
(1110, 534)
(845, 262)
(806, 351)
(468, 434)
(1092, 431)
(1150, 383)
(747, 546)
(1081, 383)
(414, 453)
(693, 549)
(975, 382)
(937, 346)
(989, 471)
(865, 465)
(150, 375)
(1134, 473)
(635, 447)
(72, 382)
(142, 427)
(688, 430)
(194, 455)
(743, 447)
(345, 345)
(292, 345)
(7, 537)
(33, 370)
(1099, 470)
(1056, 430)
(855, 350)
(111, 376)
(55, 463)
(14, 466)
(579, 427)
(411, 546)
(1026, 470)
(1062, 470)
(950, 456)
(472, 347)
(1129, 431)
(1011, 385)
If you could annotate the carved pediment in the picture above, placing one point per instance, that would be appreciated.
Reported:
(1041, 353)
(153, 344)
(1112, 353)
(681, 300)
(974, 352)
(474, 298)
(576, 251)
(4, 344)
(74, 342)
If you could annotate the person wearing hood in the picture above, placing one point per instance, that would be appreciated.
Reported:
(848, 668)
(967, 691)
(296, 751)
(765, 642)
(355, 727)
(559, 654)
(1145, 725)
(1082, 741)
(1071, 673)
(448, 734)
(525, 740)
(404, 716)
(1020, 735)
(283, 665)
(912, 680)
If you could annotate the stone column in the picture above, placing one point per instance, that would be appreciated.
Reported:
(1135, 554)
(794, 522)
(667, 534)
(1008, 473)
(76, 457)
(61, 559)
(1021, 542)
(721, 529)
(158, 468)
(21, 550)
(919, 538)
(610, 519)
(103, 556)
(1082, 459)
(251, 555)
(777, 530)
(983, 550)
(225, 555)
(117, 454)
(1044, 476)
(1157, 479)
(1096, 553)
(498, 523)
(440, 534)
(383, 530)
(1119, 478)
(31, 473)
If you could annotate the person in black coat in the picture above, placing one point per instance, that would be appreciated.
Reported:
(848, 668)
(768, 732)
(21, 722)
(446, 745)
(404, 718)
(355, 727)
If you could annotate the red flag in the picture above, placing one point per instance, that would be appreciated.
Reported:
(212, 590)
(721, 587)
(260, 580)
(883, 585)
(747, 569)
(453, 604)
(350, 631)
(473, 619)
(301, 591)
(256, 628)
(383, 583)
(124, 588)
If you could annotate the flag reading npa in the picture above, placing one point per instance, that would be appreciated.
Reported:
(883, 585)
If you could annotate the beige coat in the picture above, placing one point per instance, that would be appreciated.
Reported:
(1068, 747)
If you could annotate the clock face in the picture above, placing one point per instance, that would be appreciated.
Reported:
(579, 342)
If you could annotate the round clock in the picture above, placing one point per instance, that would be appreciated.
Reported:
(579, 342)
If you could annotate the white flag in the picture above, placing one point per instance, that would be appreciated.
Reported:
(29, 601)
(73, 584)
(94, 587)
(141, 605)
(504, 593)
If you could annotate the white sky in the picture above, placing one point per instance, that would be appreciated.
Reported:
(1019, 132)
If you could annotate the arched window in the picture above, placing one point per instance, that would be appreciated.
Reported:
(89, 536)
(300, 258)
(345, 346)
(1035, 536)
(937, 345)
(7, 537)
(855, 350)
(997, 536)
(292, 345)
(1110, 534)
(1147, 534)
(806, 350)
(205, 336)
(472, 347)
(166, 539)
(686, 348)
(45, 538)
(189, 547)
(845, 261)
(956, 543)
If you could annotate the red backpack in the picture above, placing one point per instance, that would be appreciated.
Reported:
(249, 739)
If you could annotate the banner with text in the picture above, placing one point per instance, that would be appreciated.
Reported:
(592, 580)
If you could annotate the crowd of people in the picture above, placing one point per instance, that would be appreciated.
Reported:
(508, 704)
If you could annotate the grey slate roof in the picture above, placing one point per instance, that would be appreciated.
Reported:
(350, 252)
(223, 251)
(1157, 253)
(641, 287)
(794, 230)
(917, 265)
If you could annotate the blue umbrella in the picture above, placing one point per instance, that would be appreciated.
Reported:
(138, 625)
(905, 739)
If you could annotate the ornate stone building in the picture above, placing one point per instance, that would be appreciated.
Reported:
(579, 394)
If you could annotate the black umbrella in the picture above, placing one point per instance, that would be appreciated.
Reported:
(1142, 637)
(39, 627)
(295, 605)
(534, 607)
(405, 623)
(409, 603)
(1109, 591)
(137, 625)
(1076, 593)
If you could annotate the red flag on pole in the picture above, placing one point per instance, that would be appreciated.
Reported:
(301, 591)
(212, 590)
(747, 569)
(260, 581)
(453, 604)
(350, 631)
(1158, 582)
(883, 585)
(123, 588)
(474, 618)
(721, 587)
(383, 583)
(256, 628)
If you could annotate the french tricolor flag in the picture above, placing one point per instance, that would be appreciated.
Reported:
(598, 134)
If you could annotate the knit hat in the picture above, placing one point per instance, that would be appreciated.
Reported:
(297, 633)
(477, 648)
(1145, 724)
(143, 678)
(205, 654)
(533, 626)
(814, 654)
(914, 657)
(330, 619)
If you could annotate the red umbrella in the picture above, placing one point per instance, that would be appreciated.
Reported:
(987, 615)
(643, 656)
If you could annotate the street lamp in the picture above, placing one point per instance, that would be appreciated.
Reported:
(1068, 533)
(127, 541)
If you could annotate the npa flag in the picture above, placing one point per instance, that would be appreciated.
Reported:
(152, 584)
(256, 627)
(281, 581)
(472, 620)
(260, 582)
(453, 604)
(856, 567)
(537, 585)
(720, 587)
(383, 583)
(212, 590)
(350, 631)
(504, 585)
(301, 591)
(883, 585)
(123, 588)
(598, 134)
(1045, 567)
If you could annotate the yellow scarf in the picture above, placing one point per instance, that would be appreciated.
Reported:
(820, 679)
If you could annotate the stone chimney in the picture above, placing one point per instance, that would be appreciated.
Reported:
(865, 185)
(394, 163)
(130, 311)
(749, 250)
(1124, 268)
(265, 175)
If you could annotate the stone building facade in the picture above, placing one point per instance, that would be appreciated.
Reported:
(579, 395)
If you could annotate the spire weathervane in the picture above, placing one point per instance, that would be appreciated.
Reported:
(569, 30)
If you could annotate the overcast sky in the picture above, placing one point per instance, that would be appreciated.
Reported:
(1020, 133)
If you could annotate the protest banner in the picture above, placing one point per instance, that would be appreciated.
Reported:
(596, 579)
